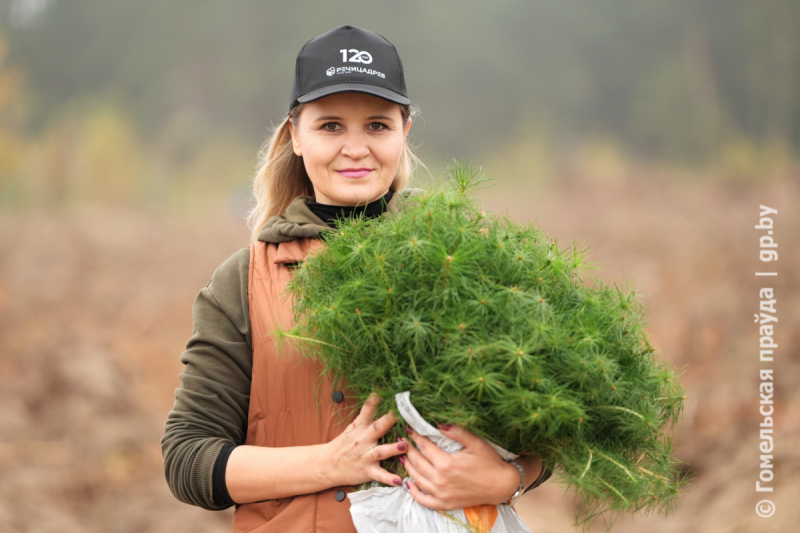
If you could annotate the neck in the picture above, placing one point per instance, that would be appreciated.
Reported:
(329, 213)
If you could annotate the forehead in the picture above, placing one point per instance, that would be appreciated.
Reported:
(351, 105)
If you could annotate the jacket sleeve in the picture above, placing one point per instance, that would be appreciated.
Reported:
(211, 405)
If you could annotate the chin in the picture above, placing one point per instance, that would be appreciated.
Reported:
(357, 192)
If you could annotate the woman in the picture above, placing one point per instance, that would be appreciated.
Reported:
(246, 428)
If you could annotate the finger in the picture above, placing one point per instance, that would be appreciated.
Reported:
(420, 462)
(382, 475)
(430, 450)
(382, 425)
(385, 451)
(428, 500)
(464, 436)
(421, 480)
(368, 410)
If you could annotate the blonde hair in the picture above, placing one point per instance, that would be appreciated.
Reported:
(281, 174)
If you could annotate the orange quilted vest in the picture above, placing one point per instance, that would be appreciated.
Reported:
(283, 406)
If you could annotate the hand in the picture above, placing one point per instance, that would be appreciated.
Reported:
(355, 457)
(475, 475)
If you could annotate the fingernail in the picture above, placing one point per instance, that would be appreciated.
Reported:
(408, 430)
(409, 488)
(445, 427)
(402, 446)
(397, 481)
(402, 459)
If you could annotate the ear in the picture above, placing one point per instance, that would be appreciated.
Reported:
(408, 127)
(295, 144)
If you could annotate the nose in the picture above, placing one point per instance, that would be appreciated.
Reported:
(355, 146)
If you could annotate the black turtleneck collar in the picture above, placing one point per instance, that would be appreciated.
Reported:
(329, 213)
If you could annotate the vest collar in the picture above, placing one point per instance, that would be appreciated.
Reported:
(296, 251)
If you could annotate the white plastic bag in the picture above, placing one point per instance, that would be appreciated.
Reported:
(394, 510)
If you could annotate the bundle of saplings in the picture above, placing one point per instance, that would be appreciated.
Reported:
(491, 326)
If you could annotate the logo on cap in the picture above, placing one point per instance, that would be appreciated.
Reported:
(349, 70)
(357, 57)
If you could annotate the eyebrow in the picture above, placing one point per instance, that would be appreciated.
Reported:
(373, 117)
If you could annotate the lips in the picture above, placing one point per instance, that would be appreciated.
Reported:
(354, 172)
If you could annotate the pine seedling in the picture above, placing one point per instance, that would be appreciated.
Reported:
(492, 326)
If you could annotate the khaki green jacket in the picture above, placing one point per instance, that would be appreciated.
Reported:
(211, 405)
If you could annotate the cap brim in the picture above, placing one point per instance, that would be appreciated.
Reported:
(357, 88)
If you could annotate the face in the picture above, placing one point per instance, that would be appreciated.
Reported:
(351, 145)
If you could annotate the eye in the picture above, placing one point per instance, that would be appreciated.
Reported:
(377, 126)
(330, 126)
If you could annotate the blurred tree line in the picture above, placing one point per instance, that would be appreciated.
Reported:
(200, 82)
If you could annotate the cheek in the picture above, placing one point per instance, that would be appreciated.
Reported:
(390, 153)
(320, 154)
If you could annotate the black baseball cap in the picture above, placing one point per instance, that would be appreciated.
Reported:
(346, 59)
